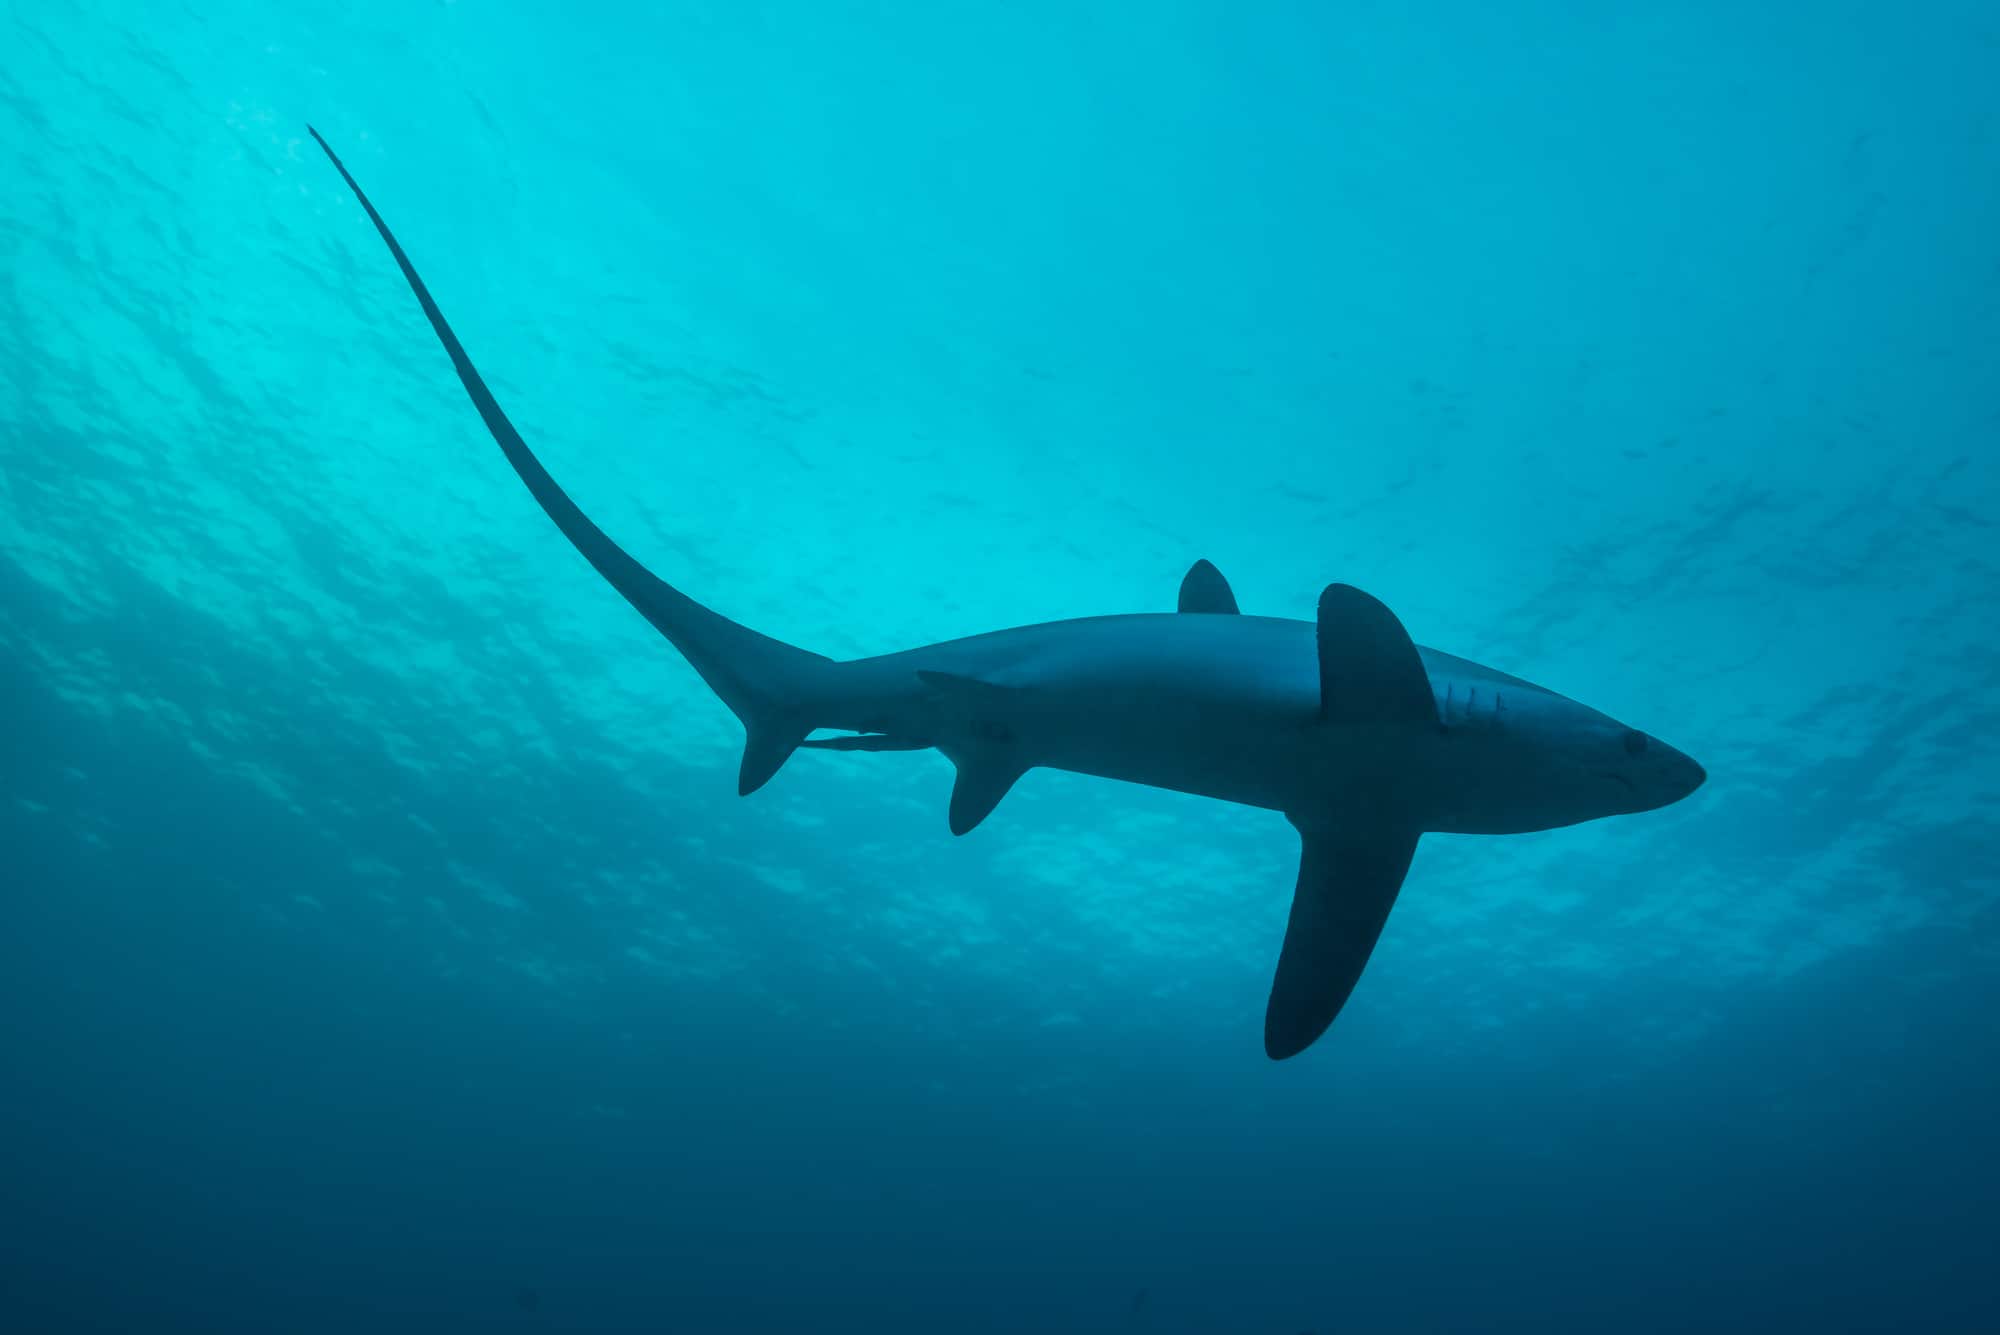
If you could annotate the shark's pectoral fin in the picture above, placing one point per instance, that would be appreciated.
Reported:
(1348, 879)
(984, 777)
(1349, 871)
(1203, 589)
(1369, 671)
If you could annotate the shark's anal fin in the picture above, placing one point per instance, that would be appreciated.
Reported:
(1348, 879)
(1203, 589)
(1369, 670)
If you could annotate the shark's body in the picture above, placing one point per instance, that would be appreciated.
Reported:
(1212, 704)
(1360, 737)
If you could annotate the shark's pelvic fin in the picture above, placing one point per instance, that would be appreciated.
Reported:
(1203, 589)
(1369, 671)
(1348, 879)
(981, 745)
(769, 739)
(985, 774)
(766, 683)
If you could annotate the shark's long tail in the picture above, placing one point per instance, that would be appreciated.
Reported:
(770, 685)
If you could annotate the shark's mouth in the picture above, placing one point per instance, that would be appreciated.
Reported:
(1616, 777)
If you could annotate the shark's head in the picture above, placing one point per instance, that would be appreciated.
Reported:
(1583, 765)
(1645, 772)
(1530, 759)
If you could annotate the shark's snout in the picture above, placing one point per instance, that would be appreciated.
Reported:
(1684, 773)
(1658, 776)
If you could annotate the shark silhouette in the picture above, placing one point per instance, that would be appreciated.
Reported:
(1361, 738)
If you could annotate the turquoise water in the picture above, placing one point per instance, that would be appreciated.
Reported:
(383, 944)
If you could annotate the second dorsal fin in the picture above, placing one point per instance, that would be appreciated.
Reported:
(1203, 589)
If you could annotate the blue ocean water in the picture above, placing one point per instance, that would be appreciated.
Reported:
(383, 946)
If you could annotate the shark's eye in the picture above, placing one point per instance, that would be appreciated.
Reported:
(1635, 742)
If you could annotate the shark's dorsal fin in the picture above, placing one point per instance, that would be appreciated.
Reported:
(1369, 670)
(1348, 879)
(1203, 589)
(985, 774)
